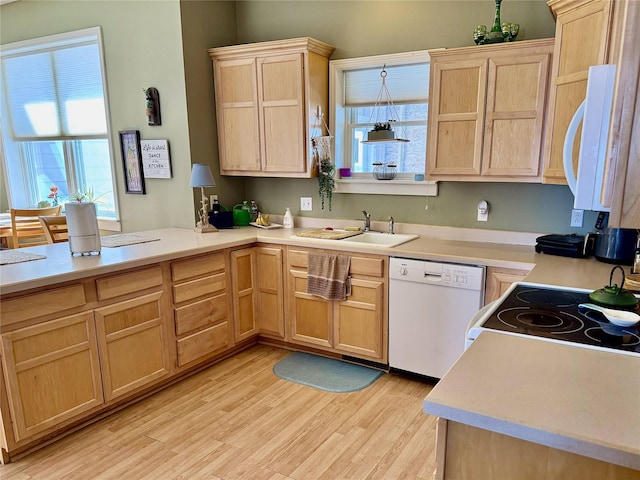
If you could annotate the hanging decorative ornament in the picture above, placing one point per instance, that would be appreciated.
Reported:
(383, 129)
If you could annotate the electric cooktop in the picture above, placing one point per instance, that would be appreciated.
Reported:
(553, 313)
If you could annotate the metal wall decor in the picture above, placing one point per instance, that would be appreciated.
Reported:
(152, 102)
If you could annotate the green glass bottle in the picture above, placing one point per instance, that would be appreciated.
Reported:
(495, 35)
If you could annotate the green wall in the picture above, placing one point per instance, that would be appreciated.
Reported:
(143, 46)
(362, 28)
(163, 44)
(204, 25)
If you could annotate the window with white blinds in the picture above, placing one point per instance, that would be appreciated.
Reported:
(357, 103)
(406, 84)
(54, 121)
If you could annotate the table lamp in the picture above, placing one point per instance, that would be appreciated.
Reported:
(201, 177)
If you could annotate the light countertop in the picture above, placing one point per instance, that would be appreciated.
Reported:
(61, 266)
(592, 410)
(575, 399)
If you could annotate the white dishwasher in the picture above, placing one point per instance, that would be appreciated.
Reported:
(430, 306)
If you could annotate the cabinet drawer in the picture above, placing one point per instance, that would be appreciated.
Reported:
(117, 285)
(57, 300)
(197, 288)
(203, 343)
(195, 267)
(373, 267)
(201, 314)
(370, 266)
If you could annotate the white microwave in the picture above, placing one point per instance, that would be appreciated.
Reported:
(595, 114)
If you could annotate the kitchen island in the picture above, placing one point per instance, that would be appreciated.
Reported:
(537, 409)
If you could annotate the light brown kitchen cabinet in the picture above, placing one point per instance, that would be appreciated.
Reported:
(466, 452)
(499, 280)
(201, 307)
(243, 278)
(267, 96)
(583, 39)
(622, 171)
(487, 112)
(52, 373)
(357, 326)
(258, 292)
(269, 293)
(131, 340)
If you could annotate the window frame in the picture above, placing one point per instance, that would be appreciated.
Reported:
(366, 184)
(14, 147)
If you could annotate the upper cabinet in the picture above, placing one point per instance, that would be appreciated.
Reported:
(487, 110)
(267, 98)
(583, 30)
(594, 32)
(622, 171)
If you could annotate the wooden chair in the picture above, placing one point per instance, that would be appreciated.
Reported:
(55, 228)
(26, 229)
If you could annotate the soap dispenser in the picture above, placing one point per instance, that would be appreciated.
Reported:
(287, 221)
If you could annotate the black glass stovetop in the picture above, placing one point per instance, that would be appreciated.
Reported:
(554, 313)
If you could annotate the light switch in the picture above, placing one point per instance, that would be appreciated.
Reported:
(306, 204)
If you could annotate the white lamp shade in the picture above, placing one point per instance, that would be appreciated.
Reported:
(201, 176)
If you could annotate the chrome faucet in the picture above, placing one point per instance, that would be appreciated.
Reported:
(367, 221)
(391, 222)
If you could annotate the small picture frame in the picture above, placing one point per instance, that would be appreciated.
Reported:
(156, 162)
(132, 161)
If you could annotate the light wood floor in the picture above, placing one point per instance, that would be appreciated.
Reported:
(237, 420)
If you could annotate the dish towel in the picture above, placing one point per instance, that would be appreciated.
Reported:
(328, 276)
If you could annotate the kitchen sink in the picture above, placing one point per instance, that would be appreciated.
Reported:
(369, 239)
(379, 239)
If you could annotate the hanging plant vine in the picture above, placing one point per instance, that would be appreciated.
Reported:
(326, 181)
(322, 155)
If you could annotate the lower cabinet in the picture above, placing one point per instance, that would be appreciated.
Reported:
(356, 326)
(258, 292)
(131, 340)
(52, 373)
(499, 280)
(466, 452)
(201, 307)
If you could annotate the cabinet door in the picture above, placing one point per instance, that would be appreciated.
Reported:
(270, 291)
(282, 116)
(52, 373)
(456, 117)
(359, 323)
(131, 338)
(516, 96)
(243, 272)
(499, 280)
(623, 169)
(581, 41)
(311, 317)
(237, 110)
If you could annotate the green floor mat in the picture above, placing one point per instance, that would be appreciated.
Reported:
(325, 373)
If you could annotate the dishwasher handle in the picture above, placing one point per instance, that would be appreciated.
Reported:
(432, 277)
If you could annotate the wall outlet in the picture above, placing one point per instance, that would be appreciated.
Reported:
(306, 204)
(212, 198)
(576, 217)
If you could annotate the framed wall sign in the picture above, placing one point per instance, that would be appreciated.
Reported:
(132, 161)
(155, 158)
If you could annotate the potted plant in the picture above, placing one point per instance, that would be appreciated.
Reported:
(326, 181)
(381, 131)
